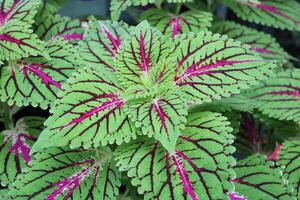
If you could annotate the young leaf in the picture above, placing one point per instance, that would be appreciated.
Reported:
(260, 42)
(61, 173)
(199, 168)
(278, 97)
(163, 117)
(101, 43)
(36, 80)
(57, 26)
(212, 66)
(283, 14)
(89, 112)
(172, 25)
(290, 160)
(258, 179)
(16, 37)
(15, 145)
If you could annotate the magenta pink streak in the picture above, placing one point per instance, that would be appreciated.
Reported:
(292, 93)
(176, 27)
(115, 42)
(8, 38)
(114, 102)
(275, 154)
(261, 50)
(144, 66)
(161, 114)
(196, 70)
(4, 15)
(234, 196)
(187, 185)
(20, 147)
(73, 36)
(251, 131)
(34, 68)
(69, 184)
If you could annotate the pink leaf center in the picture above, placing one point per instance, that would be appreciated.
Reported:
(176, 27)
(36, 69)
(144, 66)
(114, 41)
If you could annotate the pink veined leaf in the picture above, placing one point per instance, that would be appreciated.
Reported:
(212, 66)
(92, 108)
(198, 164)
(276, 153)
(15, 146)
(62, 173)
(16, 38)
(101, 43)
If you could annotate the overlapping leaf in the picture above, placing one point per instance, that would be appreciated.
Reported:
(15, 146)
(279, 96)
(260, 42)
(199, 168)
(172, 25)
(48, 8)
(36, 80)
(57, 26)
(258, 179)
(89, 112)
(101, 43)
(290, 160)
(61, 173)
(16, 37)
(213, 66)
(282, 14)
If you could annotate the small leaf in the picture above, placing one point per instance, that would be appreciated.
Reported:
(36, 80)
(263, 43)
(212, 66)
(15, 145)
(61, 173)
(278, 97)
(258, 179)
(16, 37)
(172, 25)
(89, 112)
(199, 168)
(290, 160)
(102, 42)
(283, 14)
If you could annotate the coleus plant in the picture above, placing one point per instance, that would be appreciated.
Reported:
(179, 104)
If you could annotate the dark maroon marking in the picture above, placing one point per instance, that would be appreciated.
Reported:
(4, 15)
(19, 146)
(251, 131)
(115, 42)
(180, 169)
(36, 69)
(115, 102)
(275, 154)
(235, 196)
(295, 93)
(144, 66)
(161, 114)
(73, 36)
(196, 70)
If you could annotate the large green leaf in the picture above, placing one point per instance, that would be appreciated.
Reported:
(172, 25)
(260, 42)
(15, 145)
(199, 168)
(89, 112)
(290, 161)
(36, 80)
(283, 14)
(16, 37)
(278, 96)
(258, 179)
(61, 173)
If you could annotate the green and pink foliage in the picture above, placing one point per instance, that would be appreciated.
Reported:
(180, 106)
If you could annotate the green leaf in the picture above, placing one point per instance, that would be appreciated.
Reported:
(199, 168)
(102, 42)
(210, 66)
(36, 80)
(290, 160)
(16, 37)
(15, 146)
(61, 173)
(283, 14)
(263, 43)
(88, 113)
(278, 97)
(48, 8)
(172, 25)
(258, 179)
